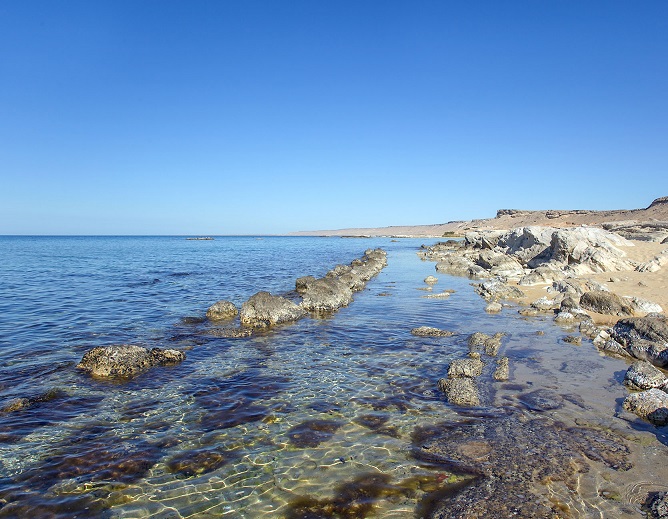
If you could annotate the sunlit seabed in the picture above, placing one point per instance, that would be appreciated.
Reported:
(252, 427)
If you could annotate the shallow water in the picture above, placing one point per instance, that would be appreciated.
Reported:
(320, 417)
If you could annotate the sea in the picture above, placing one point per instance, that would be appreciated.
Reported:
(318, 418)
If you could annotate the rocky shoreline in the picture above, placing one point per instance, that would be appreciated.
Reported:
(561, 261)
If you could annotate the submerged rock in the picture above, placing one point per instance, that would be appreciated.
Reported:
(651, 405)
(460, 391)
(485, 452)
(502, 371)
(221, 310)
(263, 310)
(126, 360)
(429, 331)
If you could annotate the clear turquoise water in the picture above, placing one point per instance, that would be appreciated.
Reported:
(243, 427)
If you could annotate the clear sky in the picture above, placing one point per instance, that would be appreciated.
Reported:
(243, 117)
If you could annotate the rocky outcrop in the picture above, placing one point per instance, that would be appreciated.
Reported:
(643, 375)
(126, 360)
(645, 338)
(606, 303)
(651, 405)
(263, 310)
(460, 391)
(496, 289)
(327, 294)
(222, 310)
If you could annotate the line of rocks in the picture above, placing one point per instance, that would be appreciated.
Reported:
(318, 295)
(327, 294)
(461, 387)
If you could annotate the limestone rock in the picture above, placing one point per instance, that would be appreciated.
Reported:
(470, 367)
(651, 405)
(221, 310)
(460, 391)
(493, 308)
(326, 295)
(263, 309)
(126, 360)
(645, 338)
(430, 280)
(502, 371)
(495, 289)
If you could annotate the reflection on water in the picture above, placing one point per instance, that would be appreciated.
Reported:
(330, 417)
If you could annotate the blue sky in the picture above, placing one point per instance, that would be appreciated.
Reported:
(244, 117)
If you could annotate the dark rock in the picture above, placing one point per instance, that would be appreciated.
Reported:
(428, 331)
(651, 405)
(222, 310)
(657, 504)
(542, 400)
(263, 309)
(231, 333)
(605, 303)
(573, 339)
(642, 375)
(313, 432)
(197, 462)
(126, 361)
(302, 283)
(645, 338)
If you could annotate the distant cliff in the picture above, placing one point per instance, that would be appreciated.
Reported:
(655, 214)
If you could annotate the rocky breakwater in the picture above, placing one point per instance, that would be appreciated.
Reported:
(312, 296)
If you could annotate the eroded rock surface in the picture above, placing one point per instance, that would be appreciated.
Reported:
(429, 331)
(651, 405)
(126, 360)
(222, 310)
(263, 310)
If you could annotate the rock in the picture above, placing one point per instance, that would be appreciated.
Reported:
(529, 245)
(545, 304)
(645, 338)
(493, 308)
(479, 340)
(221, 310)
(495, 289)
(460, 391)
(657, 263)
(589, 249)
(326, 295)
(16, 404)
(605, 303)
(263, 309)
(589, 329)
(540, 275)
(455, 265)
(441, 295)
(528, 312)
(542, 400)
(564, 318)
(231, 333)
(651, 405)
(430, 280)
(337, 271)
(573, 339)
(302, 283)
(126, 360)
(657, 504)
(643, 306)
(499, 264)
(502, 371)
(428, 331)
(470, 367)
(642, 376)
